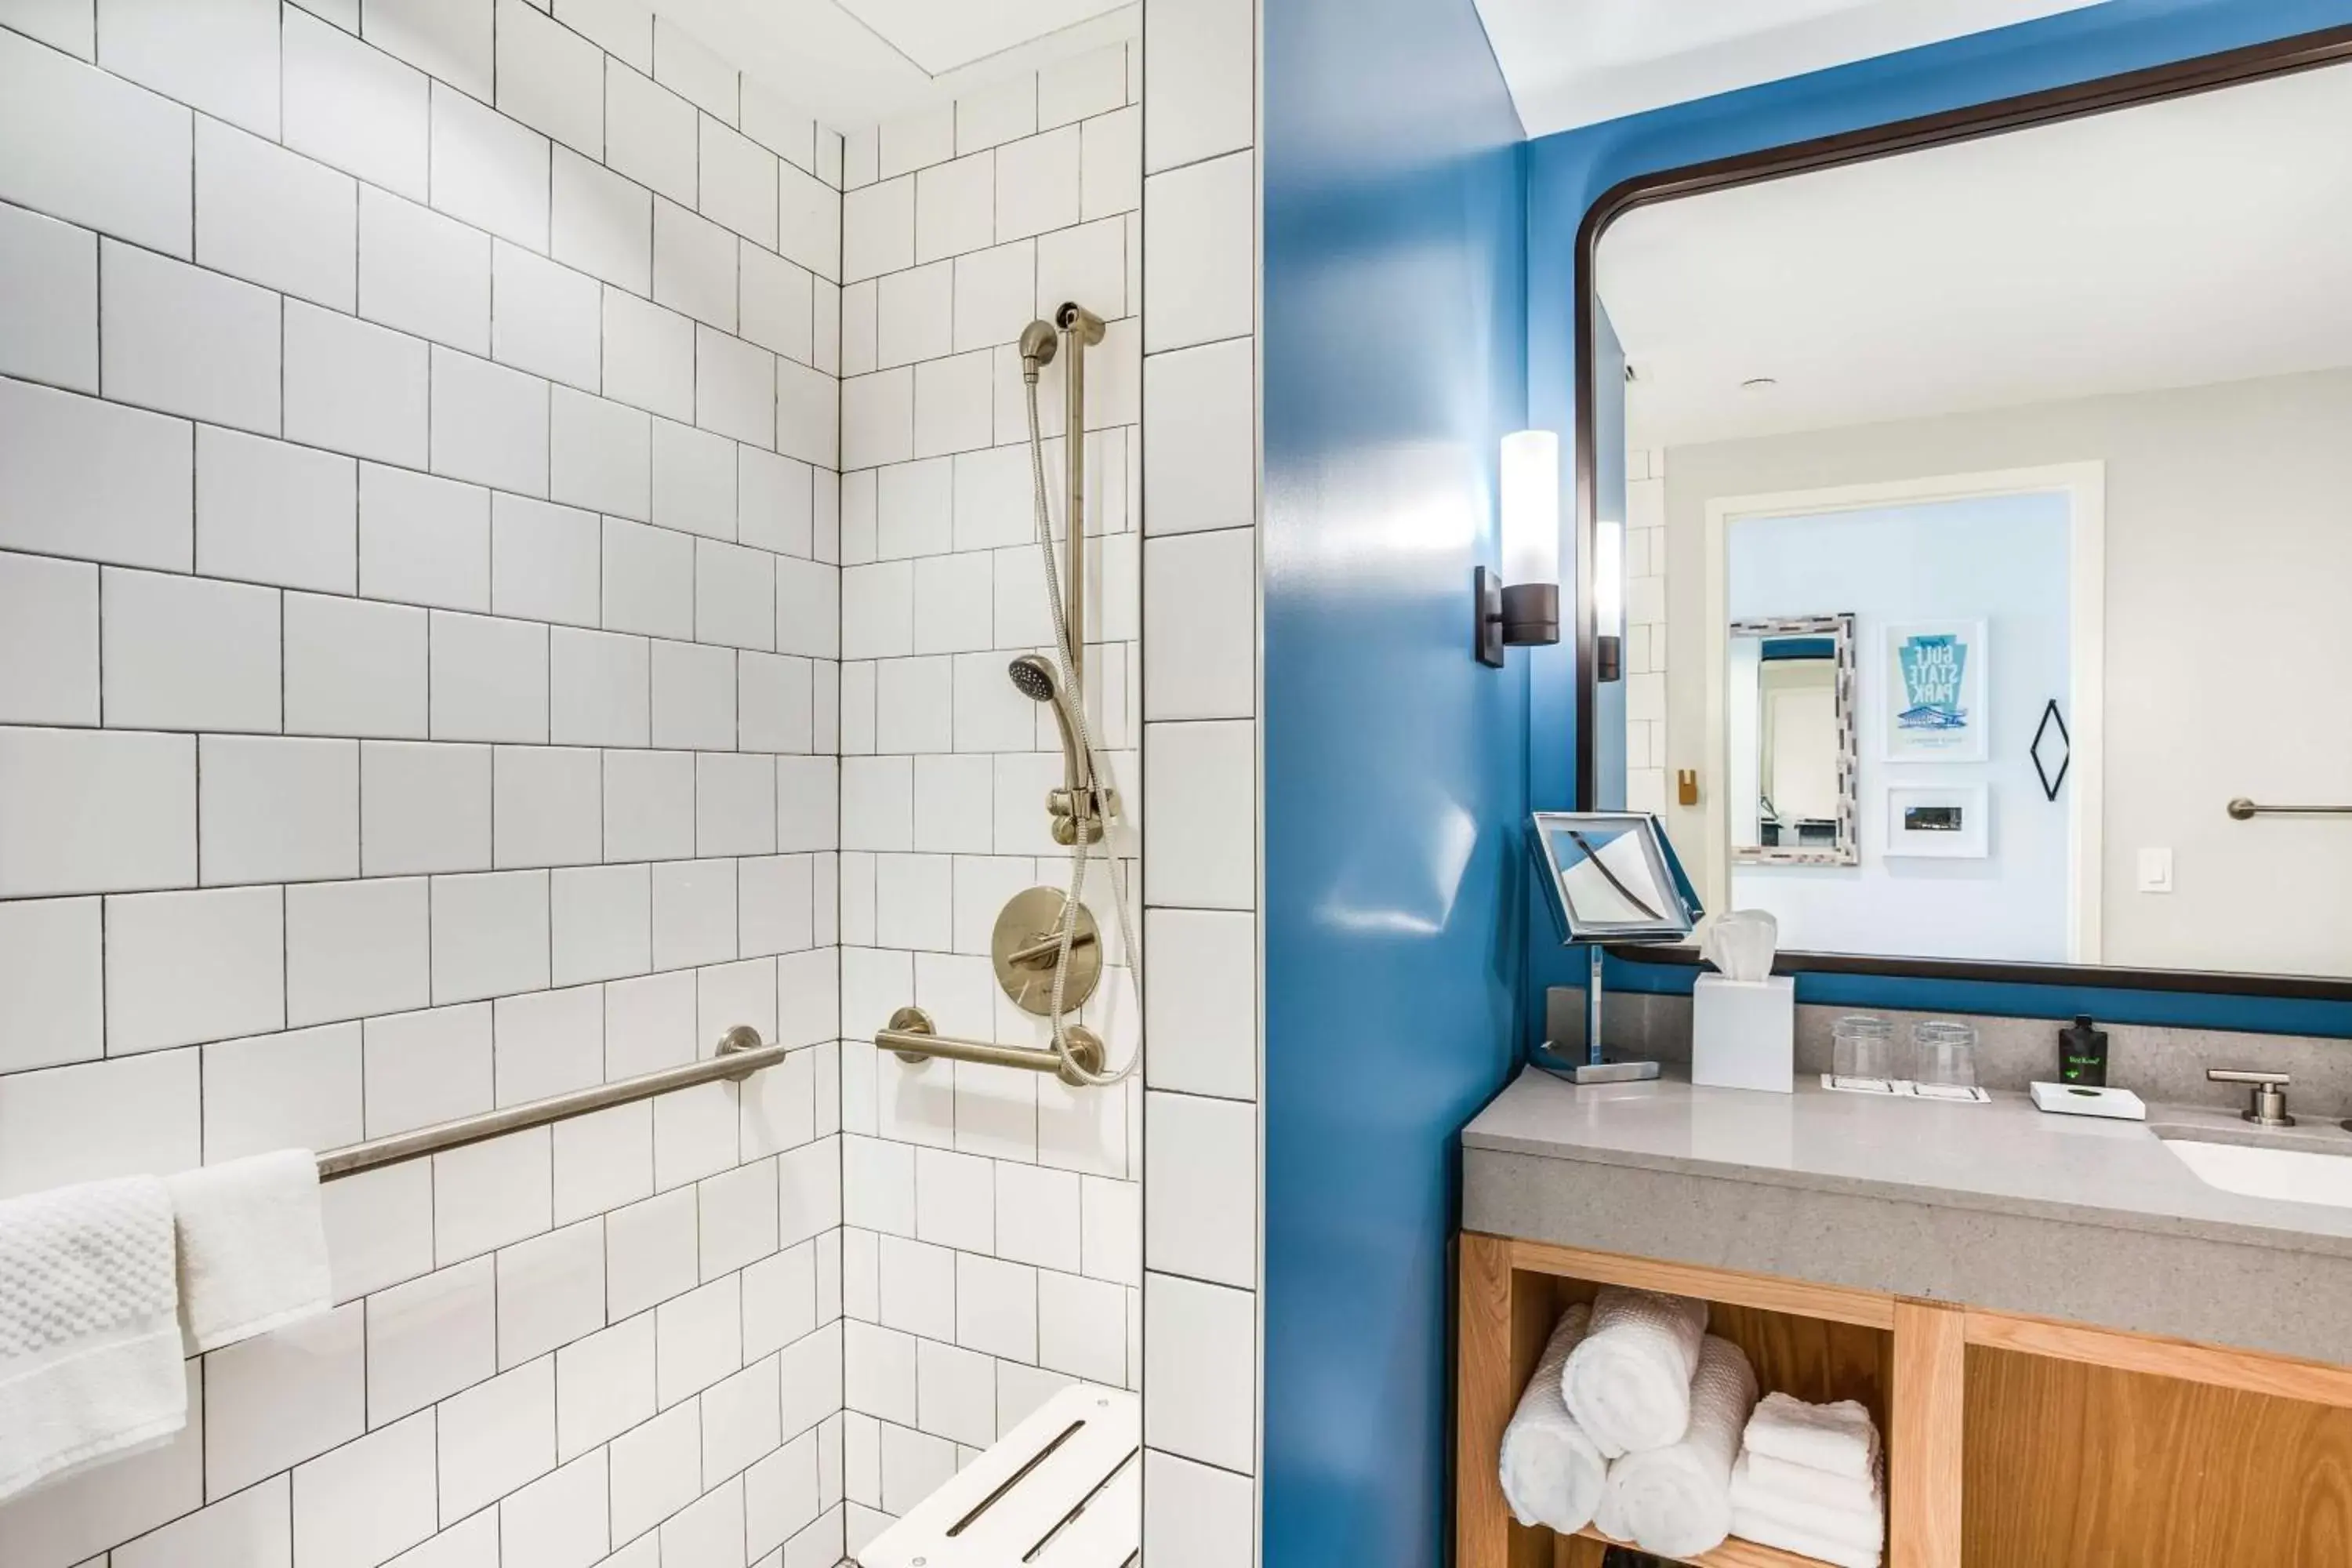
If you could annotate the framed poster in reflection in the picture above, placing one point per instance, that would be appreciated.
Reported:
(1935, 693)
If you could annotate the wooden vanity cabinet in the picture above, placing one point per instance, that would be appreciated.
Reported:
(2010, 1442)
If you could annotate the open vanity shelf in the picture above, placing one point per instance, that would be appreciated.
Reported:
(2010, 1442)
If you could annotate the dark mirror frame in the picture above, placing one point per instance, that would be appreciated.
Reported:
(2308, 51)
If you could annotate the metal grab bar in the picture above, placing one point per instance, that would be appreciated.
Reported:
(740, 1053)
(912, 1037)
(2244, 810)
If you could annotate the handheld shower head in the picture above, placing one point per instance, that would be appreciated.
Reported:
(1038, 343)
(1034, 676)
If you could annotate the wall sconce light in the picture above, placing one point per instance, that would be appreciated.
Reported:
(1521, 606)
(1609, 600)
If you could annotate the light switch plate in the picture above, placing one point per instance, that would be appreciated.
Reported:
(2156, 870)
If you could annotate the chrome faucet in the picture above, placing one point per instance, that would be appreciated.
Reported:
(2269, 1104)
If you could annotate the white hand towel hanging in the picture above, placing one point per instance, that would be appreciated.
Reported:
(1628, 1384)
(89, 1352)
(1840, 1438)
(252, 1246)
(1552, 1472)
(1677, 1501)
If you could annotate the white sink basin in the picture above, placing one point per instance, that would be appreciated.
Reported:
(2295, 1175)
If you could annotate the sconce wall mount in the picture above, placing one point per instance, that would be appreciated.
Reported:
(1516, 614)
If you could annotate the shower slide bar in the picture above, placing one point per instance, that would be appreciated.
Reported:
(912, 1037)
(742, 1052)
(2244, 810)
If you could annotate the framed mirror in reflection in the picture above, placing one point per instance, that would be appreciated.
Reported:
(1789, 741)
(1988, 515)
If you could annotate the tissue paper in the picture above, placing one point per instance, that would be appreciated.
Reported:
(1744, 1020)
(1741, 943)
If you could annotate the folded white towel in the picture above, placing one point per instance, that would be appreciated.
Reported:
(89, 1357)
(1840, 1438)
(1677, 1501)
(1552, 1472)
(1628, 1384)
(252, 1246)
(1855, 1531)
(1774, 1477)
(1768, 1530)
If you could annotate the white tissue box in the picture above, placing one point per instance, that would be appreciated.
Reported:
(1744, 1033)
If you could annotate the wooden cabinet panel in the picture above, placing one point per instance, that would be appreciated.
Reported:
(2075, 1466)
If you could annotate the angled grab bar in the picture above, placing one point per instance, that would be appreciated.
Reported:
(912, 1037)
(742, 1052)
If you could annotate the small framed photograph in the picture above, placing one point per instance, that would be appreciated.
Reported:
(1935, 685)
(1950, 822)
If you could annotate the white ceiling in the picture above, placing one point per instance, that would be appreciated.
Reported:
(2197, 241)
(854, 62)
(1578, 62)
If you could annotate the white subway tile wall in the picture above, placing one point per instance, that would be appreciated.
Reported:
(993, 1249)
(419, 625)
(1199, 709)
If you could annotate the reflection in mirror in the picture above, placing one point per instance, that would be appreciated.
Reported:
(1788, 734)
(1611, 877)
(2051, 425)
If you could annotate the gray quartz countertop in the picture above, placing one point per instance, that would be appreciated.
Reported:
(2005, 1158)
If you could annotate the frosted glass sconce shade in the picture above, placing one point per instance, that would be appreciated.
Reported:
(1522, 605)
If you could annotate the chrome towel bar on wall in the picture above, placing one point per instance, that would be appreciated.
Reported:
(740, 1053)
(2245, 810)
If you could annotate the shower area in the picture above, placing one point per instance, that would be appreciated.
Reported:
(523, 555)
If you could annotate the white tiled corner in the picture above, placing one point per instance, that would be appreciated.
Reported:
(1201, 1363)
(1195, 1515)
(1199, 594)
(1201, 779)
(1200, 420)
(1200, 253)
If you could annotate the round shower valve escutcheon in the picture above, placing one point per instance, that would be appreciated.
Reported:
(1026, 944)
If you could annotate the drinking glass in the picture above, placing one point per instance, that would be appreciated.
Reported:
(1862, 1053)
(1945, 1058)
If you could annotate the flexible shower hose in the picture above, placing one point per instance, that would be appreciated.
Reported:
(1098, 770)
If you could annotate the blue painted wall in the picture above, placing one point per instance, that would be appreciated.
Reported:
(1394, 344)
(1567, 172)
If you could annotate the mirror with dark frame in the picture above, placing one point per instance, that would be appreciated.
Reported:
(1986, 504)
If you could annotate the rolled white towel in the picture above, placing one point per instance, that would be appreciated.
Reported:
(1857, 1534)
(1552, 1472)
(1628, 1384)
(1767, 1476)
(1840, 1438)
(1675, 1501)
